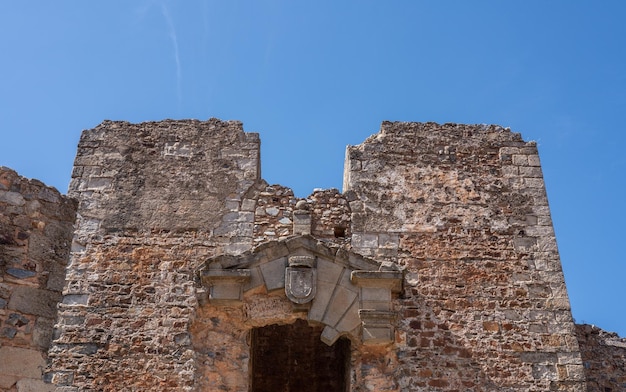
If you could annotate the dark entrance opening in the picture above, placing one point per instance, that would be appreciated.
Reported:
(289, 358)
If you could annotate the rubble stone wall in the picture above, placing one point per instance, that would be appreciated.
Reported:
(156, 199)
(464, 210)
(36, 225)
(328, 211)
(604, 359)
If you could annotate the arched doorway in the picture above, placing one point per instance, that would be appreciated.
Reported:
(340, 297)
(292, 357)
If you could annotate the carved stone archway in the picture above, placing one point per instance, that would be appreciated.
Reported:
(350, 295)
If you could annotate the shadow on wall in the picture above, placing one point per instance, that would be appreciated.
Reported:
(36, 226)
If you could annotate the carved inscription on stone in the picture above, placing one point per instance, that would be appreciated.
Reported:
(264, 309)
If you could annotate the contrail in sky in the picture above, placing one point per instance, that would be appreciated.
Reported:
(172, 32)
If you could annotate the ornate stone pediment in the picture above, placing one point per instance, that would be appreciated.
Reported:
(348, 293)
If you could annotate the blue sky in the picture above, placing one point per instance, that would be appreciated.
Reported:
(312, 77)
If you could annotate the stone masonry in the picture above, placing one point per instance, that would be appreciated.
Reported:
(36, 225)
(604, 356)
(435, 269)
(464, 210)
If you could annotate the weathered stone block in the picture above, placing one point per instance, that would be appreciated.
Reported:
(377, 326)
(42, 333)
(34, 301)
(365, 240)
(20, 273)
(56, 277)
(533, 160)
(375, 298)
(274, 274)
(328, 272)
(30, 385)
(320, 303)
(237, 248)
(226, 286)
(520, 160)
(12, 198)
(17, 363)
(329, 335)
(301, 222)
(342, 299)
(256, 279)
(350, 320)
(75, 299)
(392, 280)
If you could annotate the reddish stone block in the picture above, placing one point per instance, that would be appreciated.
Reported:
(491, 326)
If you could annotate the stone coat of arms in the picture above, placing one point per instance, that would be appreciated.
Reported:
(300, 279)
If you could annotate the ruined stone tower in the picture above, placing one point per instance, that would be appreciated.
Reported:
(435, 268)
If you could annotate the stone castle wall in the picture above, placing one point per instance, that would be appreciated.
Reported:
(464, 210)
(156, 200)
(604, 357)
(36, 225)
(438, 263)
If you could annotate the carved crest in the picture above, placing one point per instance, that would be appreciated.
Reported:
(300, 279)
